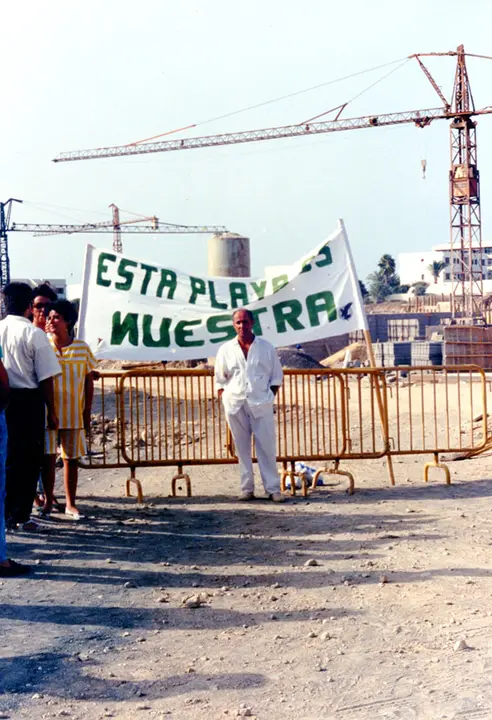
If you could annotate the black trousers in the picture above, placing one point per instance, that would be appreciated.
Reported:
(25, 417)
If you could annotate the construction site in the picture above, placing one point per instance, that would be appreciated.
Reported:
(367, 593)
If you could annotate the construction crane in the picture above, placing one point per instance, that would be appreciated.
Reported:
(126, 226)
(464, 181)
(115, 223)
(117, 242)
(5, 213)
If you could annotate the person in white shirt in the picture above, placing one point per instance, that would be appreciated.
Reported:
(248, 375)
(8, 567)
(30, 364)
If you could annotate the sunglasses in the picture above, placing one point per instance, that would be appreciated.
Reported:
(41, 306)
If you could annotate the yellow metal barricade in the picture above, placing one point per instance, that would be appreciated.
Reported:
(311, 421)
(435, 410)
(364, 421)
(359, 412)
(145, 418)
(173, 418)
(310, 411)
(104, 439)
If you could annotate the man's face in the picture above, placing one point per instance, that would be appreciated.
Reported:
(243, 325)
(40, 309)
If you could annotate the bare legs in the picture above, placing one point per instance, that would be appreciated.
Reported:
(70, 478)
(48, 482)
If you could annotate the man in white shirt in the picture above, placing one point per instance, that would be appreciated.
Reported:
(8, 567)
(248, 375)
(30, 364)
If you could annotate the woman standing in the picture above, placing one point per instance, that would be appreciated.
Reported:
(73, 391)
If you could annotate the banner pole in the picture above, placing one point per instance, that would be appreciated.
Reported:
(85, 293)
(383, 411)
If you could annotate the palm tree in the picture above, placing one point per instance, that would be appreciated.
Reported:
(435, 268)
(387, 265)
(378, 287)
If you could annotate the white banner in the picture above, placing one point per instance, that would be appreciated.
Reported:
(132, 310)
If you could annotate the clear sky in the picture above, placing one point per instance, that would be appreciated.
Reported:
(94, 73)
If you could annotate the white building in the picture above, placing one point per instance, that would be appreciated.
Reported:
(74, 291)
(58, 284)
(414, 267)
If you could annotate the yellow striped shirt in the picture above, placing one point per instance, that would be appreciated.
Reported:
(76, 361)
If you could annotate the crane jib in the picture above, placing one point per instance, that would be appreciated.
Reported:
(162, 228)
(420, 118)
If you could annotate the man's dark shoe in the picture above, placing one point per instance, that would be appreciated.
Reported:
(14, 569)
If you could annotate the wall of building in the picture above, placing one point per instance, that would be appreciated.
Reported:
(381, 325)
(413, 267)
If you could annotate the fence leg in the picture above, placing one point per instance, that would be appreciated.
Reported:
(335, 470)
(391, 472)
(180, 475)
(437, 464)
(133, 479)
(283, 476)
(383, 409)
(302, 475)
(292, 474)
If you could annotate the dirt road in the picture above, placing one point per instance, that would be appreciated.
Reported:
(372, 629)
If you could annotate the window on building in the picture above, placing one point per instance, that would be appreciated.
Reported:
(447, 276)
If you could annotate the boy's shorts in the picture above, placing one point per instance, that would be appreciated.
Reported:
(72, 443)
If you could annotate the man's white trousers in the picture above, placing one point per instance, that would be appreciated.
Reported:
(243, 425)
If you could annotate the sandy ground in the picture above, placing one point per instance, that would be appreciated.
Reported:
(370, 631)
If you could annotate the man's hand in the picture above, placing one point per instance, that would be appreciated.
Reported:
(52, 420)
(219, 394)
(49, 400)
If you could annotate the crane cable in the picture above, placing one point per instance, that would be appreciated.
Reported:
(273, 100)
(358, 95)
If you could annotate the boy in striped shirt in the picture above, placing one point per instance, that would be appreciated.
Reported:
(73, 391)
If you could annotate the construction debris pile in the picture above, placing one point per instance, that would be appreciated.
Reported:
(296, 359)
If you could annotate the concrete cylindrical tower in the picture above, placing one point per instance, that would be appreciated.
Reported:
(229, 256)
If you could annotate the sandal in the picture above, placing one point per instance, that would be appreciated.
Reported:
(74, 515)
(31, 526)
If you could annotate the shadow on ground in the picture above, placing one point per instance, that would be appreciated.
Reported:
(42, 672)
